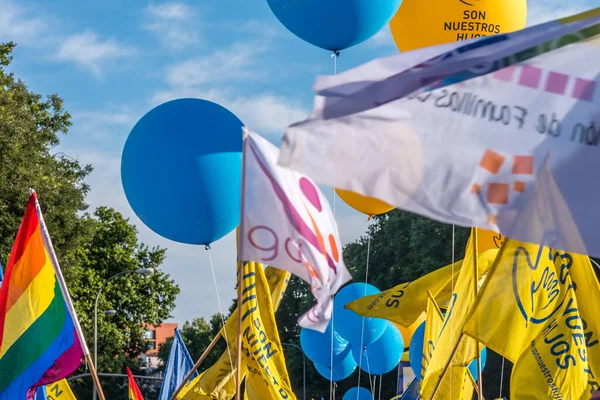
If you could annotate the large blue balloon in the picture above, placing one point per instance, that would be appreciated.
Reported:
(415, 354)
(181, 170)
(334, 24)
(348, 323)
(341, 370)
(359, 393)
(317, 346)
(383, 355)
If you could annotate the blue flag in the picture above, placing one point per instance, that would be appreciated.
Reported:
(178, 365)
(412, 392)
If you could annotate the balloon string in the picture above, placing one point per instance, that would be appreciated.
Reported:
(501, 377)
(331, 389)
(451, 320)
(380, 380)
(362, 330)
(212, 268)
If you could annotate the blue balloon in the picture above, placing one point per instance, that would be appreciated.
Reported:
(415, 351)
(358, 393)
(348, 323)
(415, 354)
(341, 370)
(181, 170)
(383, 355)
(334, 24)
(317, 346)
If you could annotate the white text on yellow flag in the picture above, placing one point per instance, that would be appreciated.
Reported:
(287, 222)
(261, 347)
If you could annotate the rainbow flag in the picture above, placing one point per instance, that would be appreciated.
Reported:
(38, 341)
(134, 390)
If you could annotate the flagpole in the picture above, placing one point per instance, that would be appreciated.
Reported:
(197, 365)
(65, 292)
(476, 278)
(238, 362)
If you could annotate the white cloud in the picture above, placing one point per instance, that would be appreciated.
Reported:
(382, 38)
(90, 51)
(173, 24)
(16, 24)
(543, 11)
(233, 64)
(266, 113)
(101, 125)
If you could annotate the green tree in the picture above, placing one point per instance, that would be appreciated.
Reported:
(90, 248)
(197, 335)
(113, 247)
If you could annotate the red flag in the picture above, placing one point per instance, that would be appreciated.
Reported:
(134, 390)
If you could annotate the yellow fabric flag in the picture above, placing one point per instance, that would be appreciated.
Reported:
(433, 326)
(59, 391)
(461, 303)
(405, 303)
(261, 347)
(218, 381)
(488, 240)
(539, 309)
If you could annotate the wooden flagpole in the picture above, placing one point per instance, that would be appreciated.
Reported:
(65, 292)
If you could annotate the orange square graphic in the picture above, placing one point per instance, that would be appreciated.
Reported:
(475, 188)
(492, 161)
(498, 193)
(522, 165)
(519, 186)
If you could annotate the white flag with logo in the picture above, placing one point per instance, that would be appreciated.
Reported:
(466, 153)
(287, 223)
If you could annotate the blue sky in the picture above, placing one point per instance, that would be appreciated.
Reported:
(112, 61)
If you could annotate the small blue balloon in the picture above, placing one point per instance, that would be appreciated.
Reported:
(341, 370)
(317, 346)
(348, 323)
(181, 170)
(334, 24)
(415, 354)
(415, 351)
(383, 355)
(358, 393)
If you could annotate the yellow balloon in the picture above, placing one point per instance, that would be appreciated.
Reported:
(366, 205)
(407, 334)
(423, 23)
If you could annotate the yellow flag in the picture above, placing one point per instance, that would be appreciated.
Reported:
(456, 384)
(59, 391)
(218, 381)
(488, 240)
(404, 304)
(539, 309)
(261, 347)
(433, 325)
(461, 303)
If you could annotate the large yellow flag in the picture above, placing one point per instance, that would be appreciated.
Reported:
(218, 381)
(261, 347)
(404, 304)
(539, 308)
(460, 304)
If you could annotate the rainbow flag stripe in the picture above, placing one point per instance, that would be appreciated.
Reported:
(134, 390)
(38, 341)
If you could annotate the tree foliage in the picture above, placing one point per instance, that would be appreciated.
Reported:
(90, 248)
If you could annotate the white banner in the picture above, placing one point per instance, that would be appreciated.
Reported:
(467, 153)
(287, 223)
